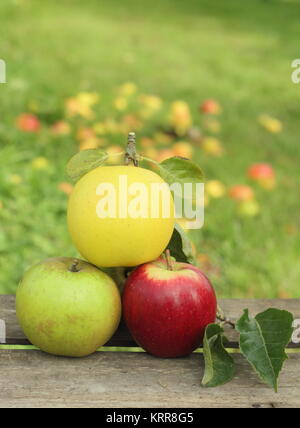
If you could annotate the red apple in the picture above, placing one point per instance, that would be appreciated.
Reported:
(241, 192)
(28, 122)
(260, 171)
(167, 307)
(264, 174)
(210, 106)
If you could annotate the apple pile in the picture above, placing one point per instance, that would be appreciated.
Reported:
(71, 307)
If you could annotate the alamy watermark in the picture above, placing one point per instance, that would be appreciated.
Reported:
(296, 73)
(296, 334)
(2, 331)
(138, 200)
(2, 71)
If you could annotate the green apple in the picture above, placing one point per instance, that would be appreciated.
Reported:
(68, 307)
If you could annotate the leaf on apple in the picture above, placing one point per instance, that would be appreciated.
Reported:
(180, 246)
(180, 170)
(219, 364)
(263, 340)
(84, 161)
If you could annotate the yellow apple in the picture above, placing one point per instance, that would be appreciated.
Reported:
(118, 217)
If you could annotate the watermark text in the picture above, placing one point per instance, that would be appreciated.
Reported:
(296, 73)
(2, 71)
(296, 334)
(2, 331)
(155, 200)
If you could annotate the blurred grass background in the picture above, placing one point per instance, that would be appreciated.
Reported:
(235, 52)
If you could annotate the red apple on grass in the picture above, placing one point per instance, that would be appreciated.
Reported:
(264, 174)
(241, 192)
(28, 122)
(260, 171)
(167, 306)
(210, 106)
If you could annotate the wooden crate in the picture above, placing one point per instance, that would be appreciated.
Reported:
(30, 378)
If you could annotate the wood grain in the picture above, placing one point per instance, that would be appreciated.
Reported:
(106, 379)
(31, 378)
(232, 308)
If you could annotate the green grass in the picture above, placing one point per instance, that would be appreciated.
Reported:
(239, 54)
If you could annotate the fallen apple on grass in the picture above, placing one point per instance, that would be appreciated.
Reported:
(210, 106)
(167, 306)
(28, 122)
(68, 307)
(264, 174)
(241, 192)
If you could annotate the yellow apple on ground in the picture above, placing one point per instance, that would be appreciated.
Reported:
(121, 231)
(68, 307)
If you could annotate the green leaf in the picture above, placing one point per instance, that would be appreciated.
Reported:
(219, 365)
(263, 340)
(180, 246)
(84, 161)
(180, 170)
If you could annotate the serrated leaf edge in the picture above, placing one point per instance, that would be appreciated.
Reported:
(95, 164)
(274, 384)
(204, 383)
(209, 356)
(169, 177)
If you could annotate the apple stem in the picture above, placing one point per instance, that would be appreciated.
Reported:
(131, 154)
(169, 260)
(74, 266)
(223, 319)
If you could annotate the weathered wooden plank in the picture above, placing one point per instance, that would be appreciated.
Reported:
(106, 379)
(233, 308)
